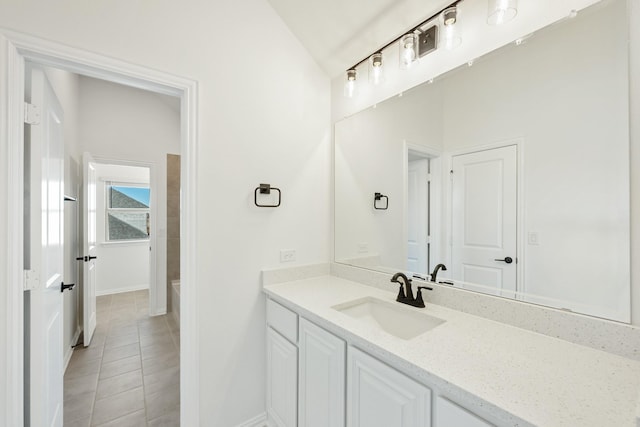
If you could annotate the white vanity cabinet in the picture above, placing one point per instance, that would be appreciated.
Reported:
(321, 389)
(314, 379)
(448, 414)
(380, 396)
(282, 366)
(282, 380)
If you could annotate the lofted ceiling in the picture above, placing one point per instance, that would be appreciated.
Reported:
(339, 33)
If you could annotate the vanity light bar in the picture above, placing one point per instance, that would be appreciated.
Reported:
(420, 41)
(413, 30)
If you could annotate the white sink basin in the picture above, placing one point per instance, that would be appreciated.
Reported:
(393, 318)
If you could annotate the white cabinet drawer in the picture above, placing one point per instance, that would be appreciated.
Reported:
(448, 414)
(282, 320)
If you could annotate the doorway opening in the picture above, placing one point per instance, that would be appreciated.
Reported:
(422, 207)
(20, 50)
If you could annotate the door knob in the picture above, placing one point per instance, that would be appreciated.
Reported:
(80, 258)
(508, 260)
(63, 286)
(89, 258)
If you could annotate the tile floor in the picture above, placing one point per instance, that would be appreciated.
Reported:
(130, 374)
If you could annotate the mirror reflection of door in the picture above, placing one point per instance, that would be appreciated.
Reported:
(418, 252)
(484, 220)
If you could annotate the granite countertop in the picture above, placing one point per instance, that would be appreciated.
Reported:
(520, 378)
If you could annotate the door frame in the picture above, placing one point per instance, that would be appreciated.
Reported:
(15, 49)
(435, 158)
(520, 203)
(156, 292)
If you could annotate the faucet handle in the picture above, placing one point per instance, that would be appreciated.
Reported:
(419, 300)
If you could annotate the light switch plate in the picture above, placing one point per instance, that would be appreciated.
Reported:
(534, 238)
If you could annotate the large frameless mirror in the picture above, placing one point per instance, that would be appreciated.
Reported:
(513, 172)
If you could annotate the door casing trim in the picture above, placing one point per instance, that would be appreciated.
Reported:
(17, 48)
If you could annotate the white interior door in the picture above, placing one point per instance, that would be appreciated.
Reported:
(46, 255)
(484, 220)
(89, 243)
(418, 216)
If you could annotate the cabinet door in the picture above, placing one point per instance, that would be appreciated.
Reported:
(449, 414)
(282, 380)
(380, 396)
(322, 377)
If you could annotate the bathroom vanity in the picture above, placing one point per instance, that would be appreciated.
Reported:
(338, 355)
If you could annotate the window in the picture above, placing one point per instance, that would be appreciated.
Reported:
(127, 212)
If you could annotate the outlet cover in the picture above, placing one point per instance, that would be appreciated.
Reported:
(287, 255)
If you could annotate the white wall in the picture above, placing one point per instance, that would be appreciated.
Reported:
(121, 266)
(66, 86)
(263, 116)
(123, 123)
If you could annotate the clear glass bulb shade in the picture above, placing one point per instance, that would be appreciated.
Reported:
(350, 84)
(501, 11)
(408, 50)
(376, 71)
(450, 37)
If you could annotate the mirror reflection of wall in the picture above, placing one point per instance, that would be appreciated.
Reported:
(526, 158)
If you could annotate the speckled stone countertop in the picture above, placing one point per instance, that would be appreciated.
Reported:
(513, 376)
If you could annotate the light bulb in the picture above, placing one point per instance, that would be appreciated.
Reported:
(350, 83)
(450, 38)
(408, 50)
(502, 11)
(376, 75)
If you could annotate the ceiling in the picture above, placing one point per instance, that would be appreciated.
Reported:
(340, 33)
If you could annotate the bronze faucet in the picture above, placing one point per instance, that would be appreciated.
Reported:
(405, 294)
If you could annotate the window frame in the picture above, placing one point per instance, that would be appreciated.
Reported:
(108, 209)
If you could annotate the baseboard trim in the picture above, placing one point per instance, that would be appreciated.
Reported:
(121, 290)
(69, 353)
(258, 421)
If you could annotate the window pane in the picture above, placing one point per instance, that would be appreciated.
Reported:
(121, 197)
(128, 225)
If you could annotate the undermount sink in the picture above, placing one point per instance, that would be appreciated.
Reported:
(393, 318)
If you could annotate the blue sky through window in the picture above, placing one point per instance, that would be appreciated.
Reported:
(137, 193)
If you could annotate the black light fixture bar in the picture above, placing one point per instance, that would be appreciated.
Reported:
(417, 27)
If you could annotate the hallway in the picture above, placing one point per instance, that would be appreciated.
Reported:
(130, 374)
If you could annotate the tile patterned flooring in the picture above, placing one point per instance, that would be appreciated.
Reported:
(130, 374)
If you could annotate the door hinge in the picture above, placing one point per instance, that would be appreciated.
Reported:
(31, 114)
(428, 240)
(30, 280)
(428, 177)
